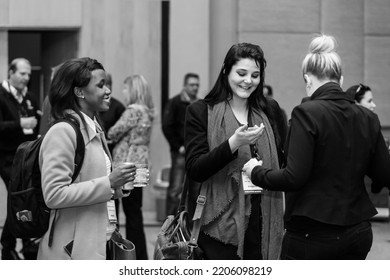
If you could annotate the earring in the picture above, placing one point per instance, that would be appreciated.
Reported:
(79, 93)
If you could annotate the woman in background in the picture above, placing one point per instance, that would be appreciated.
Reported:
(362, 95)
(332, 145)
(132, 134)
(84, 209)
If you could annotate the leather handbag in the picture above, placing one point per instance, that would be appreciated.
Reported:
(119, 248)
(176, 241)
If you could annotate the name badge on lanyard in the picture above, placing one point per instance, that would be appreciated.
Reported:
(248, 186)
(111, 212)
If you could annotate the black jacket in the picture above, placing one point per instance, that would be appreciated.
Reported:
(110, 117)
(332, 145)
(11, 133)
(173, 121)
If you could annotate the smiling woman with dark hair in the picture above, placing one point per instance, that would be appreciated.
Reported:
(233, 123)
(85, 211)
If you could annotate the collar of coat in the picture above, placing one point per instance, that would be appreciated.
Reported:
(84, 126)
(330, 91)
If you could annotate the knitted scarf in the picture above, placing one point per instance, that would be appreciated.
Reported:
(227, 210)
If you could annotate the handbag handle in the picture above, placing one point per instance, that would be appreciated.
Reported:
(183, 196)
(197, 218)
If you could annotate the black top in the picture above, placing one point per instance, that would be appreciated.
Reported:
(110, 117)
(332, 145)
(46, 119)
(11, 133)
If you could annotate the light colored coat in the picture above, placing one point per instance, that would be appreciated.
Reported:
(82, 206)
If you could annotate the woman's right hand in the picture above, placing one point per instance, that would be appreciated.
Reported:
(122, 174)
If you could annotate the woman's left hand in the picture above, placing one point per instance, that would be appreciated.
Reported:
(252, 163)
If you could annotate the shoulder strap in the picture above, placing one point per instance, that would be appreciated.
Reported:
(200, 202)
(80, 148)
(78, 162)
(197, 218)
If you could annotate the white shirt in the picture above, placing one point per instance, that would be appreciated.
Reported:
(17, 94)
(110, 204)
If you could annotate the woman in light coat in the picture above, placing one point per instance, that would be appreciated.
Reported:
(85, 212)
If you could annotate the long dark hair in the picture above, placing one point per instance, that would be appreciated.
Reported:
(222, 92)
(72, 73)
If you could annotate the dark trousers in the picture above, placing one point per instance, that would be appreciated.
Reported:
(176, 179)
(352, 243)
(132, 207)
(8, 241)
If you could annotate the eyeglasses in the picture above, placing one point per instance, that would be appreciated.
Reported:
(193, 85)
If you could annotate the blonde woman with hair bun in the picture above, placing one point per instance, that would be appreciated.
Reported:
(132, 134)
(332, 145)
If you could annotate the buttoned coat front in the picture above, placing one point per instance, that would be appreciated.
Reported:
(82, 205)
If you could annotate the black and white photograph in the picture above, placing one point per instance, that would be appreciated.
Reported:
(192, 139)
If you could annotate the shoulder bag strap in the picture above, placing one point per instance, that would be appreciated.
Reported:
(197, 218)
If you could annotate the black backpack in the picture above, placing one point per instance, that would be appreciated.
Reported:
(28, 216)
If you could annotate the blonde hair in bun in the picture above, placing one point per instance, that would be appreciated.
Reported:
(322, 59)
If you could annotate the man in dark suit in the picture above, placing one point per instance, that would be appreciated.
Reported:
(19, 117)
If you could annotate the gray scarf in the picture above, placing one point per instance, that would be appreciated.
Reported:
(227, 209)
